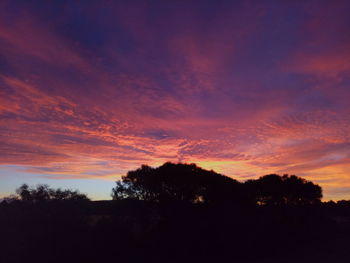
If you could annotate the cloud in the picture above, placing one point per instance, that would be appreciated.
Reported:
(235, 87)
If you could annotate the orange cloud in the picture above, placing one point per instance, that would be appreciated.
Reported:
(238, 93)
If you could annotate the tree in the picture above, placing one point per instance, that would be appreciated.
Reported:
(273, 189)
(176, 182)
(43, 193)
(24, 192)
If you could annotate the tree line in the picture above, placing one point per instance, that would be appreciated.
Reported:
(177, 213)
(190, 183)
(179, 182)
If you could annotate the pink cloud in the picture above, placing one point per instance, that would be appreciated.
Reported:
(70, 112)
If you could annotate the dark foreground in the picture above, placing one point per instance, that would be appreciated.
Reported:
(136, 231)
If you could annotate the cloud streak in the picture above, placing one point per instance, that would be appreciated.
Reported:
(94, 91)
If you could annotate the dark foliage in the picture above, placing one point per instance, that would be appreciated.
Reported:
(189, 183)
(273, 189)
(176, 182)
(43, 193)
(201, 217)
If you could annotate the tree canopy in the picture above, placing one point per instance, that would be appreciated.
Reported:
(43, 192)
(190, 183)
(273, 189)
(175, 182)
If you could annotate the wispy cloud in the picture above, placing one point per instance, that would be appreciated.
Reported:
(245, 89)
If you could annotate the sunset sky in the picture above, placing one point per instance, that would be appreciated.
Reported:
(92, 89)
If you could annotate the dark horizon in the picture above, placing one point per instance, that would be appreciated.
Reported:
(177, 213)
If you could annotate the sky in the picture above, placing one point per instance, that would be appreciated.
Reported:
(92, 89)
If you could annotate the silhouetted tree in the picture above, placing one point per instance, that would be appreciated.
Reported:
(48, 227)
(273, 189)
(176, 182)
(44, 193)
(24, 193)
